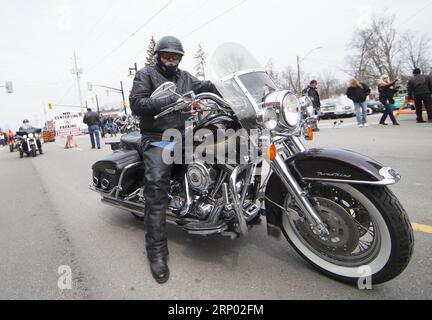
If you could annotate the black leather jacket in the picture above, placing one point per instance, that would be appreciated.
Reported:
(419, 85)
(314, 96)
(146, 82)
(91, 118)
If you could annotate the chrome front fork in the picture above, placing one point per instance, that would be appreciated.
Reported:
(279, 166)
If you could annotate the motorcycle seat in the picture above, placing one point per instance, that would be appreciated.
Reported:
(132, 141)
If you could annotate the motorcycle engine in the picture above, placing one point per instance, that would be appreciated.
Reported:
(201, 177)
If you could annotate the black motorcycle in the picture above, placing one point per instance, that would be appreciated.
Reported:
(333, 206)
(28, 142)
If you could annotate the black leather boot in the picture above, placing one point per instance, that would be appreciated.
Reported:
(160, 270)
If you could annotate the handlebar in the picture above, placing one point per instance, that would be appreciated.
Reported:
(183, 103)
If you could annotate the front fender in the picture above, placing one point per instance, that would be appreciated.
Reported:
(325, 165)
(342, 166)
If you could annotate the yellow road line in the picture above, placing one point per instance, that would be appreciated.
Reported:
(422, 228)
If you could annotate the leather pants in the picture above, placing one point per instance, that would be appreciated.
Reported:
(157, 176)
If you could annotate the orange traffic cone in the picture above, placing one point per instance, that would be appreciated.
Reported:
(70, 143)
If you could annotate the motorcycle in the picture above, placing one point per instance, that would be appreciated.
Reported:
(28, 142)
(13, 146)
(333, 206)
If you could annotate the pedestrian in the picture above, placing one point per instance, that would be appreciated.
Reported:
(2, 139)
(169, 53)
(358, 93)
(91, 119)
(387, 90)
(101, 125)
(420, 89)
(312, 92)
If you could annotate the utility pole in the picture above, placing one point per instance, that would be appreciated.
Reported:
(135, 69)
(97, 105)
(298, 67)
(124, 100)
(78, 71)
(298, 76)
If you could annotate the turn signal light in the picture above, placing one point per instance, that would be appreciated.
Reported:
(272, 152)
(310, 133)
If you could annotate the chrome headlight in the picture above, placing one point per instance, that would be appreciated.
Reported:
(268, 118)
(25, 137)
(287, 106)
(290, 110)
(31, 135)
(36, 135)
(307, 105)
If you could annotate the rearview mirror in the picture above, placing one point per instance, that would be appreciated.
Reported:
(164, 91)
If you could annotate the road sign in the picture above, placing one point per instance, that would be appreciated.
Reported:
(68, 124)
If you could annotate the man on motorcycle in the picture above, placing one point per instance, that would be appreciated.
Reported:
(28, 128)
(169, 52)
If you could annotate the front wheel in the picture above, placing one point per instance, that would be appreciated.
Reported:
(370, 233)
(33, 151)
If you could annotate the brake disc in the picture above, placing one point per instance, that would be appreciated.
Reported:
(344, 235)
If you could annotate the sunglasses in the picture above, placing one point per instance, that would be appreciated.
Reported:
(170, 56)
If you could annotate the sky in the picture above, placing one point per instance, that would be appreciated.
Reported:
(39, 38)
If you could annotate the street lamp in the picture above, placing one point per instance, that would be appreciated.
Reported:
(299, 60)
(135, 69)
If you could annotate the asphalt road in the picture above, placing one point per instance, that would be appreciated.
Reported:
(49, 218)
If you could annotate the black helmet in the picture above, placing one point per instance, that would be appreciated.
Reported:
(169, 44)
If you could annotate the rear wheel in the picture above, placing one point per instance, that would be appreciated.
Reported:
(368, 228)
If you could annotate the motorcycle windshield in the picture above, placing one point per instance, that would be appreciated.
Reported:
(241, 81)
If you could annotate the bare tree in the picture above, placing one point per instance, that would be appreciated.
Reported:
(200, 57)
(359, 63)
(151, 58)
(416, 52)
(375, 50)
(270, 68)
(329, 85)
(289, 79)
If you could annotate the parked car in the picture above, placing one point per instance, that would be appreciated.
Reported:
(375, 106)
(399, 102)
(339, 107)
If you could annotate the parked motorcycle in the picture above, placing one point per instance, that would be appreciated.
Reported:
(28, 142)
(333, 206)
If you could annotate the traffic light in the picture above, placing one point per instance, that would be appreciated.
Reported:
(9, 87)
(90, 86)
(50, 106)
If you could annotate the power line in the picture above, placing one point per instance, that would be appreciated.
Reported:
(66, 93)
(132, 35)
(176, 24)
(203, 25)
(93, 29)
(415, 14)
(213, 19)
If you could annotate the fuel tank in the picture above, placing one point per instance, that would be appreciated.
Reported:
(213, 133)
